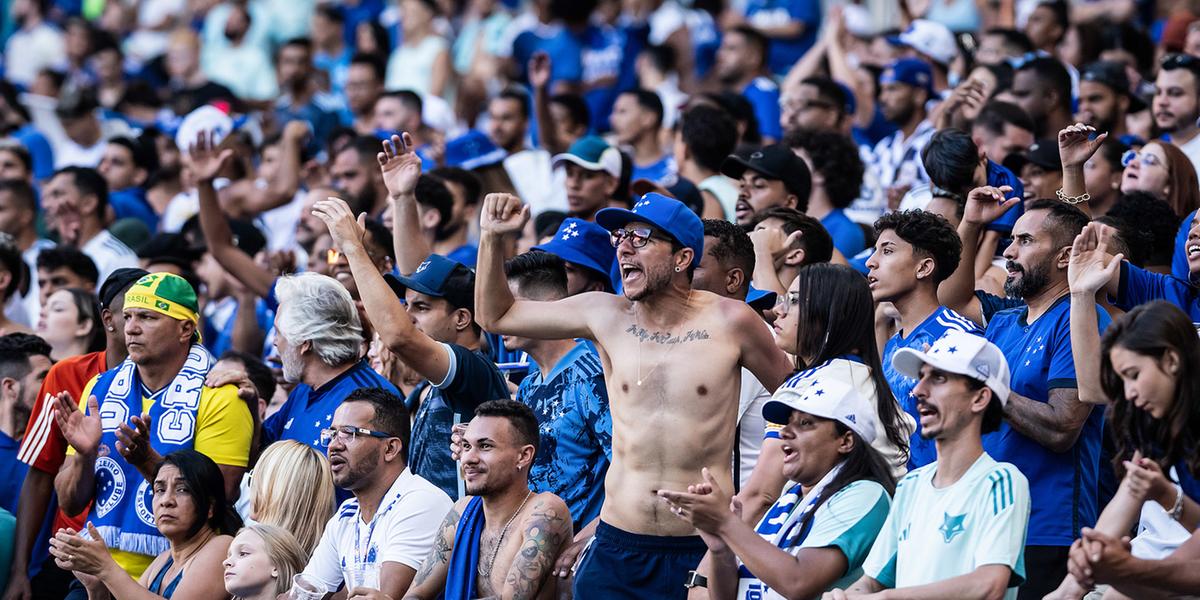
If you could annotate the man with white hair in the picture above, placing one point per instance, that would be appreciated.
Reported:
(319, 340)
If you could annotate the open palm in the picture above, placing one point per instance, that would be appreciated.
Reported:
(204, 159)
(1091, 268)
(81, 430)
(400, 165)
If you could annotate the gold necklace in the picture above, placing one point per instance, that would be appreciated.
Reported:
(686, 306)
(504, 531)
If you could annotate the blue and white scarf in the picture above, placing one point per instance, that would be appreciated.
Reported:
(124, 501)
(781, 526)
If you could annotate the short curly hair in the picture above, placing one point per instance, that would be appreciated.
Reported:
(930, 235)
(836, 158)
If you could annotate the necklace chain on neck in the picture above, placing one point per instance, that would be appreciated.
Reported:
(504, 531)
(682, 324)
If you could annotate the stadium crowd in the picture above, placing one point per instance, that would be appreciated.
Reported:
(757, 299)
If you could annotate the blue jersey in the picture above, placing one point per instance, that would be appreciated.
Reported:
(131, 203)
(1179, 262)
(601, 57)
(39, 149)
(658, 171)
(471, 381)
(763, 95)
(567, 63)
(1063, 485)
(998, 175)
(921, 451)
(848, 236)
(784, 52)
(1139, 286)
(308, 411)
(12, 473)
(467, 254)
(575, 427)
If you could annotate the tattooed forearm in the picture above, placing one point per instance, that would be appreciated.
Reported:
(546, 532)
(439, 556)
(665, 337)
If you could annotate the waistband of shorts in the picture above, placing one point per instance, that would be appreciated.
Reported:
(665, 544)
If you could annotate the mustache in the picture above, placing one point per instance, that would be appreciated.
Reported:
(1014, 266)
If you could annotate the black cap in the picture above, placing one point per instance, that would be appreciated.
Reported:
(116, 283)
(246, 236)
(775, 161)
(1043, 153)
(1112, 74)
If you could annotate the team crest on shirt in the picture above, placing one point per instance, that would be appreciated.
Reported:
(143, 501)
(110, 485)
(952, 525)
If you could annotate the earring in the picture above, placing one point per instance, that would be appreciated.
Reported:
(112, 328)
(676, 269)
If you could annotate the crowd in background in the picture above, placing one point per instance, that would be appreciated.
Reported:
(329, 299)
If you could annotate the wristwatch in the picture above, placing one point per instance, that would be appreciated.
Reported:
(695, 580)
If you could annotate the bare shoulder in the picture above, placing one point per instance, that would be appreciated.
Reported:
(217, 547)
(548, 512)
(736, 313)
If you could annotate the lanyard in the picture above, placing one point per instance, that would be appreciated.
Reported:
(359, 556)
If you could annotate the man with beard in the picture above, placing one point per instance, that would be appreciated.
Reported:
(637, 121)
(957, 526)
(905, 87)
(528, 168)
(24, 361)
(318, 336)
(672, 358)
(367, 442)
(767, 178)
(474, 557)
(434, 332)
(355, 171)
(1105, 97)
(1048, 433)
(466, 190)
(1176, 105)
(741, 67)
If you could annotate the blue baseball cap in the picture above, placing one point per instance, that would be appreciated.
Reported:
(668, 214)
(760, 300)
(582, 243)
(472, 150)
(439, 277)
(909, 71)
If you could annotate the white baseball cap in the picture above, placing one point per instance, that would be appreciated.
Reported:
(963, 354)
(931, 39)
(826, 398)
(208, 119)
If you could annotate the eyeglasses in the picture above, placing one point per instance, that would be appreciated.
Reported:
(638, 238)
(784, 303)
(346, 433)
(1145, 158)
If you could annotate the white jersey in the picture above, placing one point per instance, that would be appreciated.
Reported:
(934, 534)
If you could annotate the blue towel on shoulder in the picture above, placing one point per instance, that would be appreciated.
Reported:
(464, 559)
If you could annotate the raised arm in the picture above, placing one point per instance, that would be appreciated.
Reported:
(75, 482)
(539, 80)
(1088, 274)
(281, 188)
(387, 315)
(546, 532)
(495, 308)
(401, 169)
(430, 580)
(205, 161)
(1075, 149)
(984, 205)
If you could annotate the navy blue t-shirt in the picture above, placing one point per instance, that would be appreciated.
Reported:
(471, 381)
(575, 429)
(1063, 486)
(12, 473)
(920, 450)
(308, 411)
(1139, 286)
(848, 236)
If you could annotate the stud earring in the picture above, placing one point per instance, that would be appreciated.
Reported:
(676, 269)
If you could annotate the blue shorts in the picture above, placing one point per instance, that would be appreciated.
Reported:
(619, 564)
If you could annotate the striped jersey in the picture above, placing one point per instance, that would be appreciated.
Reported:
(920, 450)
(934, 534)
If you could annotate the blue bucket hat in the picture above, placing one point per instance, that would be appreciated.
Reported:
(668, 214)
(582, 243)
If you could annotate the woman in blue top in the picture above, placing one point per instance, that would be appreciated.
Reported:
(819, 532)
(191, 511)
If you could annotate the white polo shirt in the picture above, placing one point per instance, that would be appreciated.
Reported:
(403, 530)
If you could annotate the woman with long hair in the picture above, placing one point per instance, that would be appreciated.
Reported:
(826, 320)
(262, 561)
(70, 323)
(191, 511)
(283, 468)
(839, 487)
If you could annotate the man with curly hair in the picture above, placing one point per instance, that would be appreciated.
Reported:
(915, 252)
(837, 177)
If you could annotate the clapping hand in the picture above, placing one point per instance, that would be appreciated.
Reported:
(134, 443)
(82, 431)
(1091, 268)
(74, 553)
(705, 505)
(1074, 147)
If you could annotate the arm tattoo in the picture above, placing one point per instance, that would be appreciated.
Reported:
(547, 532)
(442, 546)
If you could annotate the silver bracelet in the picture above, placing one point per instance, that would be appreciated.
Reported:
(1177, 510)
(1072, 200)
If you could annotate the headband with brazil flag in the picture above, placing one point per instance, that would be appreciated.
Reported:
(165, 293)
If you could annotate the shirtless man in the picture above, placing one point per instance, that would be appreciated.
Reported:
(672, 361)
(478, 553)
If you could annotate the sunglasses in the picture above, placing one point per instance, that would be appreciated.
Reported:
(1171, 62)
(1145, 158)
